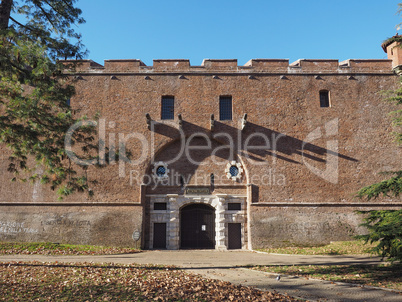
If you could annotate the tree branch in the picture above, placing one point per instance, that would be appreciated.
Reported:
(20, 24)
(46, 15)
(18, 68)
(61, 14)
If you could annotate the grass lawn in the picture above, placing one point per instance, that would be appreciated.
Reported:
(334, 248)
(109, 282)
(384, 275)
(47, 248)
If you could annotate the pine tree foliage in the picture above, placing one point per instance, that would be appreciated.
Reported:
(385, 227)
(391, 187)
(35, 91)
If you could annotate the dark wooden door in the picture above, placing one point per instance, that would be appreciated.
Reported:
(159, 235)
(234, 236)
(197, 227)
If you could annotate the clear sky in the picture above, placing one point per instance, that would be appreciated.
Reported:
(237, 29)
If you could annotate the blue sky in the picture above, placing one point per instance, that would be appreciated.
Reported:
(243, 30)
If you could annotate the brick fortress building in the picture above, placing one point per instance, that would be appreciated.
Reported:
(221, 156)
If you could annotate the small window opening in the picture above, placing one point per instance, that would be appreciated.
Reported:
(234, 206)
(225, 108)
(181, 181)
(161, 171)
(167, 108)
(234, 171)
(324, 98)
(160, 206)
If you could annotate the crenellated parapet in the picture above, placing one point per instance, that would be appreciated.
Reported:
(123, 65)
(254, 66)
(370, 65)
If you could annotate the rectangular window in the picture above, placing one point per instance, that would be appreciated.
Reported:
(324, 98)
(225, 108)
(234, 206)
(167, 108)
(160, 206)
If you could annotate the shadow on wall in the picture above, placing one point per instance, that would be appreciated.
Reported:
(280, 145)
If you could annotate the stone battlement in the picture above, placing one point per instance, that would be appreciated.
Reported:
(231, 66)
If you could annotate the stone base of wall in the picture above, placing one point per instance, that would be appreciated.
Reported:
(109, 225)
(307, 225)
(113, 224)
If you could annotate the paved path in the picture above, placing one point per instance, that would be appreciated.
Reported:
(232, 266)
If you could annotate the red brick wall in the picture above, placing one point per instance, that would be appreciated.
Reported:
(282, 104)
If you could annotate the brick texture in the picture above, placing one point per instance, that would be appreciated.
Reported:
(295, 143)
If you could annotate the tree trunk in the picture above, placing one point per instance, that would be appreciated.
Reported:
(5, 11)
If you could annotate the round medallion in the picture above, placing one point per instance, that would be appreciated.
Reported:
(234, 170)
(160, 170)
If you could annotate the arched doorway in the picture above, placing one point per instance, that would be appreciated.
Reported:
(197, 227)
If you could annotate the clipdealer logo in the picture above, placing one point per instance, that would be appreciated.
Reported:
(331, 171)
(232, 145)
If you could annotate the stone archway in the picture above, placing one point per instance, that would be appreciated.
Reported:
(219, 204)
(197, 226)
